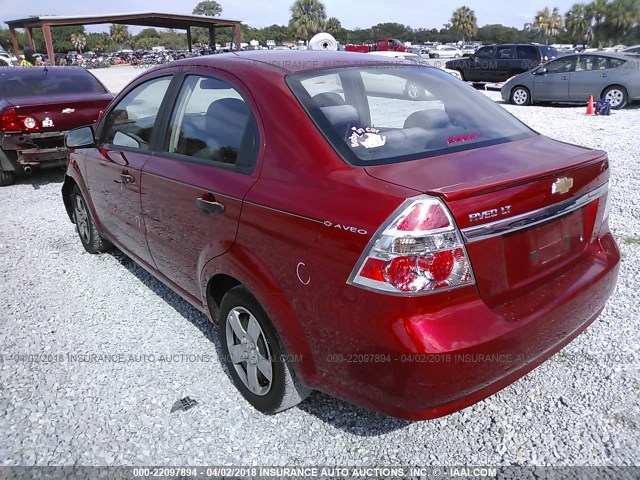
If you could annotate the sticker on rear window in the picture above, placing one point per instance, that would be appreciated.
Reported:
(367, 137)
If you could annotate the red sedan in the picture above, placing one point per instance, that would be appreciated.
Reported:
(409, 255)
(37, 106)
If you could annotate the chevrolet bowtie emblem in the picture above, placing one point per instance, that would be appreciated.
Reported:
(562, 185)
(68, 110)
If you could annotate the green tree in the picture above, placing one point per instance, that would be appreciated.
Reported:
(79, 41)
(119, 34)
(621, 17)
(333, 26)
(578, 23)
(209, 8)
(308, 17)
(464, 21)
(549, 23)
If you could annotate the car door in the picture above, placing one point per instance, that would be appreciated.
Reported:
(527, 58)
(589, 78)
(505, 61)
(478, 69)
(552, 84)
(114, 167)
(199, 175)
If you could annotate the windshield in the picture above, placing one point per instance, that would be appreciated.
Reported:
(394, 112)
(29, 82)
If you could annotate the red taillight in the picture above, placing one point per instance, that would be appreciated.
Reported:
(9, 121)
(419, 251)
(424, 217)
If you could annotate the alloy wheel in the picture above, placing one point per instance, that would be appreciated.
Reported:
(82, 220)
(615, 97)
(249, 351)
(520, 97)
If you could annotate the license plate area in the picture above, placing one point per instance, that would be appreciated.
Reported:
(540, 249)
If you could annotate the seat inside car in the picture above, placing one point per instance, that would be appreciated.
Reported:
(428, 119)
(225, 123)
(342, 117)
(328, 99)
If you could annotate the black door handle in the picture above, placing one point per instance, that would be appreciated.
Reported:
(209, 206)
(127, 179)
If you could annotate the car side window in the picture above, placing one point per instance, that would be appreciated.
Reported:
(504, 52)
(591, 62)
(130, 123)
(562, 65)
(211, 121)
(484, 52)
(616, 62)
(526, 52)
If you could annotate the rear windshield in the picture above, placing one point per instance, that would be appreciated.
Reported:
(27, 82)
(391, 113)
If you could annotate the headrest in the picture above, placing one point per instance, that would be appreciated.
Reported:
(227, 116)
(427, 119)
(328, 99)
(340, 115)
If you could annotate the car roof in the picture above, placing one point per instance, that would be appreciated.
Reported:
(620, 55)
(289, 61)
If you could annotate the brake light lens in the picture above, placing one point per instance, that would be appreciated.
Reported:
(9, 121)
(419, 251)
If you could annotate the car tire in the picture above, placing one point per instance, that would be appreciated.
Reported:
(462, 75)
(617, 95)
(437, 55)
(85, 226)
(7, 178)
(413, 91)
(456, 56)
(249, 340)
(520, 96)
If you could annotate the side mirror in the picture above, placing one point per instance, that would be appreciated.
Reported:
(80, 138)
(541, 71)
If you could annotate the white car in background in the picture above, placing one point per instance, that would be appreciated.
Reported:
(445, 51)
(381, 83)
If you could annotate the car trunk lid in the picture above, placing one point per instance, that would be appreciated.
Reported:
(61, 113)
(527, 209)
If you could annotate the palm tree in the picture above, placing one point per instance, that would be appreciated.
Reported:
(578, 23)
(119, 34)
(308, 17)
(333, 26)
(621, 16)
(78, 40)
(465, 22)
(596, 13)
(549, 23)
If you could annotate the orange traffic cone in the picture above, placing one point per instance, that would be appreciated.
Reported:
(590, 109)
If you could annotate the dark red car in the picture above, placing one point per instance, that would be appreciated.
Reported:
(37, 106)
(410, 256)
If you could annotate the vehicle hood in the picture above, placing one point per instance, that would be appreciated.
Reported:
(482, 170)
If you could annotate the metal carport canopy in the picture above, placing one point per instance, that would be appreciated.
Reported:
(143, 19)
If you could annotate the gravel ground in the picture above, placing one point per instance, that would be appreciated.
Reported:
(580, 408)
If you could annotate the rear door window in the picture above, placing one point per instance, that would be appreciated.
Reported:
(504, 52)
(212, 122)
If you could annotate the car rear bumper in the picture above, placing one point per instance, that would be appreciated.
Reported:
(36, 149)
(421, 363)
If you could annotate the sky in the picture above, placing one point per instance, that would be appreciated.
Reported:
(261, 13)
